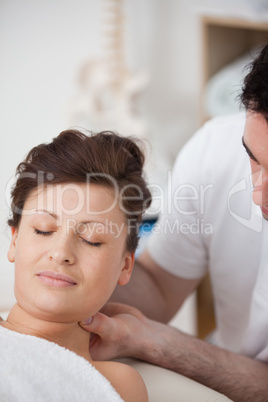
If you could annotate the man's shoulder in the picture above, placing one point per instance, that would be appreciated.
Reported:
(222, 129)
(233, 119)
(218, 141)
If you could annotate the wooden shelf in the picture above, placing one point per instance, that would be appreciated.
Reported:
(223, 41)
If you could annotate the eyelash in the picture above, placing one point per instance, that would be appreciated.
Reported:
(88, 243)
(40, 232)
(254, 160)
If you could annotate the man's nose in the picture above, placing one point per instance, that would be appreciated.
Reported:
(260, 191)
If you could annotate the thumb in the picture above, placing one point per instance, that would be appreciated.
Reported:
(99, 324)
(101, 345)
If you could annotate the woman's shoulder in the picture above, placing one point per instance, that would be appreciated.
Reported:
(125, 379)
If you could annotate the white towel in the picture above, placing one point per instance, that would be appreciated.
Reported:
(36, 370)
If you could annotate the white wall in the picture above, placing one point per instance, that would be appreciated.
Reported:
(41, 46)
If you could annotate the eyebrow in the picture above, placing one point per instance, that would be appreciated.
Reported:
(250, 154)
(57, 217)
(38, 211)
(89, 222)
(105, 225)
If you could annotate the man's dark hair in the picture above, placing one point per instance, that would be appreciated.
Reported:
(254, 94)
(104, 158)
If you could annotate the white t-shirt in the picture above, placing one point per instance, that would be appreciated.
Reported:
(210, 222)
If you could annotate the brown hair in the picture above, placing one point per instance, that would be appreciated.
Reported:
(105, 158)
(254, 95)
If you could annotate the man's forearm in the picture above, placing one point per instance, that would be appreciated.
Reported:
(236, 376)
(143, 293)
(123, 331)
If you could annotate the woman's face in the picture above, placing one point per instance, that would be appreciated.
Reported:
(69, 251)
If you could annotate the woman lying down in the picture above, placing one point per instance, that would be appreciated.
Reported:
(76, 207)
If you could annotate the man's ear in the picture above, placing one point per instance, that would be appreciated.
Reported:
(127, 268)
(12, 248)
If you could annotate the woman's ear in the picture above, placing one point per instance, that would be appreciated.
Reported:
(127, 268)
(12, 248)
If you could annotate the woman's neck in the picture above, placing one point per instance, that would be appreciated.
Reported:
(69, 335)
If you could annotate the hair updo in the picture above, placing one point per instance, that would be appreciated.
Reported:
(103, 158)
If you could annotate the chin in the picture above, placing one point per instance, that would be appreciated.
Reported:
(57, 317)
(49, 313)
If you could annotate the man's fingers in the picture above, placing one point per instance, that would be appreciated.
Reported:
(104, 338)
(112, 330)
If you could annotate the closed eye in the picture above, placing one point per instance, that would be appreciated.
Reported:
(41, 232)
(89, 243)
(250, 154)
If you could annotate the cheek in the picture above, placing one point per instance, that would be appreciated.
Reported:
(104, 278)
(96, 294)
(256, 171)
(22, 285)
(23, 268)
(101, 274)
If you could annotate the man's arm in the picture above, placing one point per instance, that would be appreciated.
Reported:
(154, 291)
(124, 331)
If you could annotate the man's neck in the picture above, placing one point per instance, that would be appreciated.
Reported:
(67, 334)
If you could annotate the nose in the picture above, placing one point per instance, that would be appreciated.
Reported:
(61, 252)
(260, 191)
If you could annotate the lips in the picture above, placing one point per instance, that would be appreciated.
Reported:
(265, 211)
(56, 279)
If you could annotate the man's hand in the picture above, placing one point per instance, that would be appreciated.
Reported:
(120, 330)
(117, 331)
